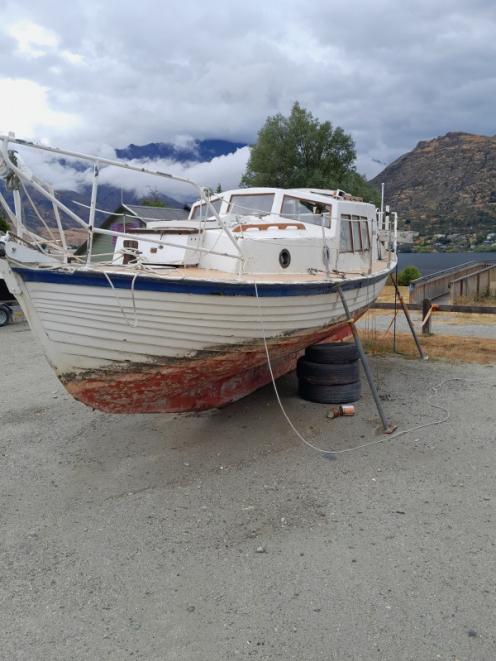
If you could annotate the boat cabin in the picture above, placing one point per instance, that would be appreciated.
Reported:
(276, 231)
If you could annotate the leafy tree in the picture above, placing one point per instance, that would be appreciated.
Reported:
(356, 184)
(301, 152)
(408, 274)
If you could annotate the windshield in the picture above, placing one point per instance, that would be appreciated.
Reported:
(252, 204)
(305, 210)
(201, 210)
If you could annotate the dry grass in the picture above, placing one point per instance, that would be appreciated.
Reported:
(439, 347)
(387, 294)
(482, 301)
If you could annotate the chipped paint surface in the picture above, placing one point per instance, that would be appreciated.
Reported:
(196, 384)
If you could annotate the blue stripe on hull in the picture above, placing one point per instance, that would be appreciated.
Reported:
(207, 288)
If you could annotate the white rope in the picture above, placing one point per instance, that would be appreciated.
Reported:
(269, 365)
(330, 451)
(134, 323)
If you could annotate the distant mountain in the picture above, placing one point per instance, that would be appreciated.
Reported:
(445, 184)
(196, 151)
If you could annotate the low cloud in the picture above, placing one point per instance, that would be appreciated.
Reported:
(224, 170)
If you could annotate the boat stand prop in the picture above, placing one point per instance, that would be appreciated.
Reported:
(422, 353)
(389, 427)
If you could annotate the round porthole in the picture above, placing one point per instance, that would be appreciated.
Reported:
(284, 258)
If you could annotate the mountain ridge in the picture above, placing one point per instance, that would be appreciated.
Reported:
(193, 151)
(444, 184)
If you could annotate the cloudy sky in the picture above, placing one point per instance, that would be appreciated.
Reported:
(97, 75)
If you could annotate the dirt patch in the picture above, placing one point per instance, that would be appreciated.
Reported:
(440, 347)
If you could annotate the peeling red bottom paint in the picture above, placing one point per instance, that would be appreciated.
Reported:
(194, 385)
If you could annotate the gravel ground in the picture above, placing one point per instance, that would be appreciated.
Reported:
(220, 536)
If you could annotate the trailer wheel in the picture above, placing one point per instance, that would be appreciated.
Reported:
(327, 374)
(343, 394)
(4, 315)
(331, 353)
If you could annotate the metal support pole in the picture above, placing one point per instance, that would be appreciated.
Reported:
(393, 278)
(388, 427)
(388, 227)
(91, 220)
(426, 316)
(56, 213)
(422, 354)
(18, 212)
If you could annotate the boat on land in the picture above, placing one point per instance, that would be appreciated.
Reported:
(196, 313)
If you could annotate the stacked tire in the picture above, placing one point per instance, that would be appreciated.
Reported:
(4, 315)
(329, 373)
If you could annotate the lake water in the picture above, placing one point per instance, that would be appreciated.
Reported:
(430, 262)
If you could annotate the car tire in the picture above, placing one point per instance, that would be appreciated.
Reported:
(332, 353)
(4, 315)
(327, 374)
(342, 394)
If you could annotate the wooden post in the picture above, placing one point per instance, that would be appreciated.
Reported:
(407, 316)
(426, 316)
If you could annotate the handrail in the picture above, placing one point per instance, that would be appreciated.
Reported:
(486, 267)
(444, 272)
(6, 139)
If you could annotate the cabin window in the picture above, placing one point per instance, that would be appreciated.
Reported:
(251, 204)
(345, 242)
(202, 211)
(357, 244)
(364, 229)
(306, 211)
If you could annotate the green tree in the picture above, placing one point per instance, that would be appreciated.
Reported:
(301, 152)
(356, 184)
(408, 274)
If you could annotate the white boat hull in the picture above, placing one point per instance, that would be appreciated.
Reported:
(160, 345)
